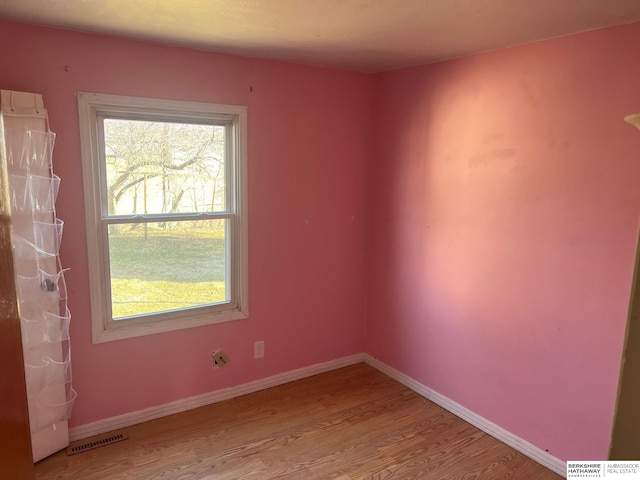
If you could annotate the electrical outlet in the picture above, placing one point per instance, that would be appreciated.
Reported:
(258, 350)
(220, 359)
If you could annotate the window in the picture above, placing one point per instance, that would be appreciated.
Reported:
(165, 186)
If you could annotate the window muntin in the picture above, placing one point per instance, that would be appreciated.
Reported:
(166, 225)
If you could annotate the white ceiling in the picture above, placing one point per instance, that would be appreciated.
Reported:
(366, 35)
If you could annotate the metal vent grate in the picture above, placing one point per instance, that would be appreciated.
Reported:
(95, 442)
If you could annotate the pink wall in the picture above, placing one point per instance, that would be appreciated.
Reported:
(309, 134)
(504, 212)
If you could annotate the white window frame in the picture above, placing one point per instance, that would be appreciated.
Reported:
(92, 108)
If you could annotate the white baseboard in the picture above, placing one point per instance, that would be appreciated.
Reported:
(139, 416)
(497, 432)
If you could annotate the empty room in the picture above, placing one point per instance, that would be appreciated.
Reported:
(357, 239)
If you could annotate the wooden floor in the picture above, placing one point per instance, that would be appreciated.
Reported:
(348, 424)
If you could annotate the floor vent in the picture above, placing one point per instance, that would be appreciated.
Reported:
(95, 442)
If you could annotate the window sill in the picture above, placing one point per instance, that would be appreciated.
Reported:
(124, 331)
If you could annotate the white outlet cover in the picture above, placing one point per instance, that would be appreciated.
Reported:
(258, 350)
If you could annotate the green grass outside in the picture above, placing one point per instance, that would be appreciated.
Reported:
(170, 269)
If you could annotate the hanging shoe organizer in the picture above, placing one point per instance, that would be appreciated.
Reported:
(40, 284)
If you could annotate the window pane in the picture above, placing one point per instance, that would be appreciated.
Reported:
(163, 266)
(161, 167)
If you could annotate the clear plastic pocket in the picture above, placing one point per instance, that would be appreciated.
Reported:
(47, 373)
(26, 251)
(48, 236)
(37, 149)
(15, 147)
(29, 149)
(43, 192)
(19, 193)
(30, 287)
(52, 405)
(54, 284)
(50, 328)
(33, 193)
